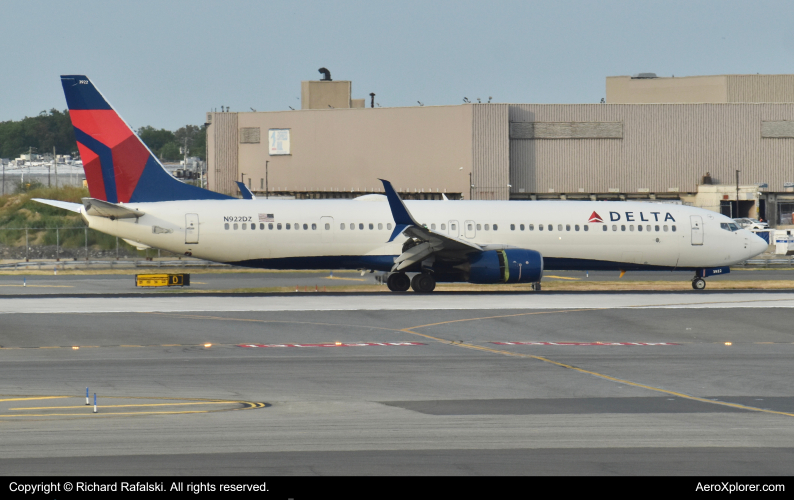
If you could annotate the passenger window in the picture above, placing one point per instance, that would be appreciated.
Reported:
(327, 226)
(559, 227)
(352, 226)
(622, 227)
(604, 227)
(443, 227)
(479, 227)
(487, 227)
(586, 227)
(314, 227)
(673, 227)
(360, 226)
(305, 227)
(270, 225)
(235, 226)
(243, 225)
(388, 225)
(614, 227)
(639, 228)
(550, 228)
(226, 226)
(495, 227)
(297, 226)
(576, 227)
(521, 227)
(253, 226)
(432, 226)
(665, 228)
(648, 228)
(657, 228)
(512, 227)
(631, 227)
(262, 226)
(532, 227)
(287, 226)
(278, 226)
(567, 227)
(371, 226)
(540, 227)
(380, 225)
(451, 226)
(342, 225)
(469, 226)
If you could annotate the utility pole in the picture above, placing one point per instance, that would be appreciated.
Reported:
(267, 188)
(55, 162)
(737, 193)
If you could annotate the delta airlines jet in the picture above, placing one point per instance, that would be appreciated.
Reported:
(133, 197)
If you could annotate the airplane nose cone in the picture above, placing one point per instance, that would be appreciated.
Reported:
(756, 245)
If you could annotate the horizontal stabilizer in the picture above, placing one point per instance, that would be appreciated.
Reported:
(101, 208)
(73, 207)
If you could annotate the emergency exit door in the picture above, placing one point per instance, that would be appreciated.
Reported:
(191, 229)
(697, 229)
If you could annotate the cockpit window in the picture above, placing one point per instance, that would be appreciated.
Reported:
(729, 226)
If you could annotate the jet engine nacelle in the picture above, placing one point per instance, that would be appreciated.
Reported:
(513, 265)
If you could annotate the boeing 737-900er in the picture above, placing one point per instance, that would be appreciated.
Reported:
(133, 197)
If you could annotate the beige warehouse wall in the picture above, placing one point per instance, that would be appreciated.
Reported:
(689, 89)
(420, 148)
(664, 147)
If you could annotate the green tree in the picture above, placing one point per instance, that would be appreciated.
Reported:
(196, 139)
(156, 139)
(170, 152)
(48, 129)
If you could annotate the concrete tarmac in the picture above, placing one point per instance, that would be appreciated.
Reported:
(595, 384)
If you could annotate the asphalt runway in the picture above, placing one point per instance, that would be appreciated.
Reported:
(20, 284)
(358, 384)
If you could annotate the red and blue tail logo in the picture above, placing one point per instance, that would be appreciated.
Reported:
(119, 168)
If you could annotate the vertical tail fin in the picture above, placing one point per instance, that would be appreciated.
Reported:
(119, 168)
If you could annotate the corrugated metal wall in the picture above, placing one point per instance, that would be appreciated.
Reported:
(760, 88)
(664, 146)
(222, 153)
(490, 152)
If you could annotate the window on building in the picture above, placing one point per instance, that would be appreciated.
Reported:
(226, 226)
(261, 184)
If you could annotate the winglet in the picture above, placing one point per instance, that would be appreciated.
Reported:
(399, 212)
(247, 194)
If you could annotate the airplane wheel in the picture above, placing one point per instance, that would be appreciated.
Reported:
(423, 283)
(698, 283)
(398, 282)
(536, 286)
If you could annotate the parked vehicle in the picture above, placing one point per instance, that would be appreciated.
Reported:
(751, 224)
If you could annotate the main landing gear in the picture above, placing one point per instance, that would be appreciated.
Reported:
(698, 283)
(422, 283)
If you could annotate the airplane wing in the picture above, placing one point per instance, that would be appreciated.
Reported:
(431, 243)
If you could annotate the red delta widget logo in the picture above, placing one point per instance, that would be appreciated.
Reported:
(631, 217)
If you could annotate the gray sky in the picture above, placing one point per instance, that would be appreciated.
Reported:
(165, 63)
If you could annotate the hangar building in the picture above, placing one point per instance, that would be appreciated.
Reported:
(679, 140)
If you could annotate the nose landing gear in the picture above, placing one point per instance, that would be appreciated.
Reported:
(698, 283)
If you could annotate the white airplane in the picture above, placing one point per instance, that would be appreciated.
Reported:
(133, 197)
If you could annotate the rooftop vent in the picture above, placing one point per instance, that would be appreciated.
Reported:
(646, 76)
(327, 75)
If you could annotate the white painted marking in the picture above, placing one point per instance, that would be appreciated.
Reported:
(395, 302)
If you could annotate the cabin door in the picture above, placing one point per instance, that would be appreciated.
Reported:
(697, 229)
(191, 229)
(470, 229)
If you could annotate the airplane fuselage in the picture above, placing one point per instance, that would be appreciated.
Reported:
(354, 234)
